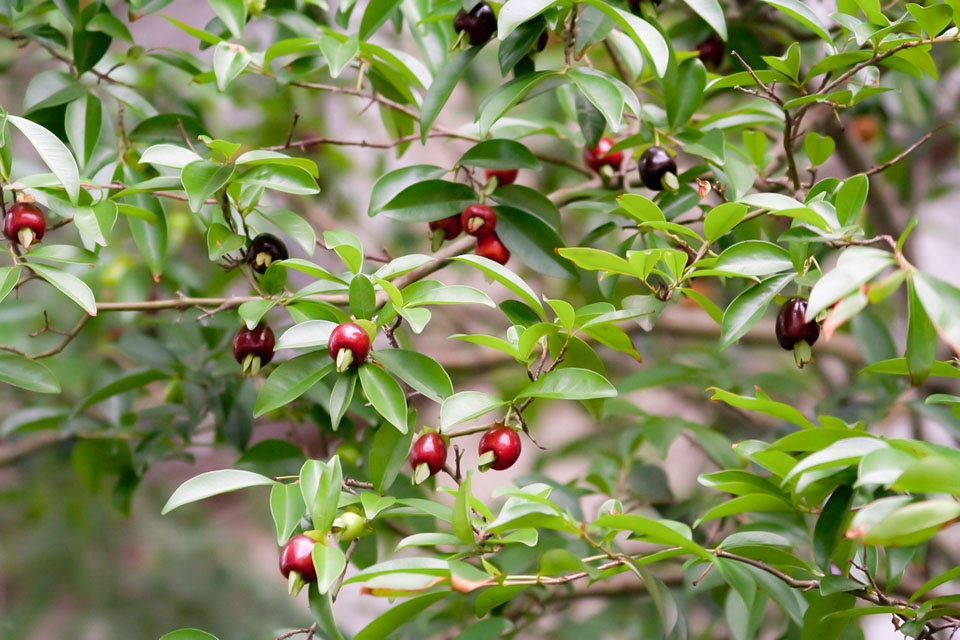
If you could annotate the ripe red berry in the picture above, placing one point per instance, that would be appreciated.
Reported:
(654, 164)
(792, 327)
(491, 248)
(297, 555)
(503, 176)
(449, 227)
(599, 156)
(478, 220)
(480, 24)
(254, 347)
(429, 449)
(265, 249)
(711, 51)
(865, 127)
(351, 338)
(24, 223)
(505, 444)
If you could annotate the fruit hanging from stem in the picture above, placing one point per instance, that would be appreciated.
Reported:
(349, 345)
(711, 51)
(265, 249)
(296, 562)
(25, 223)
(794, 332)
(478, 220)
(479, 24)
(253, 348)
(504, 443)
(444, 229)
(492, 248)
(427, 456)
(654, 165)
(503, 176)
(600, 156)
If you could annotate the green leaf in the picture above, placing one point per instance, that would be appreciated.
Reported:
(229, 61)
(385, 394)
(201, 179)
(283, 178)
(818, 148)
(466, 405)
(213, 483)
(831, 525)
(506, 96)
(386, 623)
(168, 155)
(748, 307)
(363, 299)
(232, 13)
(291, 380)
(374, 15)
(420, 371)
(258, 157)
(450, 294)
(127, 382)
(851, 197)
(855, 266)
(602, 93)
(427, 200)
(221, 241)
(654, 531)
(569, 384)
(766, 406)
(68, 284)
(935, 582)
(95, 223)
(53, 153)
(286, 506)
(754, 258)
(441, 88)
(499, 154)
(802, 14)
(387, 456)
(941, 301)
(310, 333)
(507, 278)
(320, 484)
(722, 219)
(913, 523)
(462, 526)
(515, 12)
(187, 634)
(532, 241)
(712, 14)
(27, 374)
(82, 122)
(329, 562)
(684, 90)
(348, 247)
(647, 37)
(921, 351)
(89, 47)
(9, 276)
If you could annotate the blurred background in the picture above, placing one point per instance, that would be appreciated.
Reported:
(84, 553)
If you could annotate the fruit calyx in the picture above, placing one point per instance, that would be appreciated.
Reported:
(479, 24)
(491, 248)
(24, 222)
(794, 332)
(349, 345)
(253, 348)
(478, 220)
(265, 249)
(504, 443)
(296, 562)
(600, 156)
(427, 456)
(654, 165)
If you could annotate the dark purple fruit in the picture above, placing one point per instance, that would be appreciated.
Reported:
(711, 51)
(654, 164)
(265, 249)
(543, 40)
(480, 24)
(792, 327)
(635, 4)
(253, 348)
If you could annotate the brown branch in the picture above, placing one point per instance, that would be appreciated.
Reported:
(900, 156)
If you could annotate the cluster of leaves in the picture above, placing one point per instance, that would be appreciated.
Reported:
(824, 521)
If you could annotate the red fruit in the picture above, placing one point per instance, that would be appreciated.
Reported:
(503, 176)
(598, 157)
(430, 448)
(505, 444)
(351, 338)
(491, 248)
(865, 127)
(257, 342)
(24, 223)
(792, 327)
(478, 220)
(711, 51)
(297, 555)
(450, 227)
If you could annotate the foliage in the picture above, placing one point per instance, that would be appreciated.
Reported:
(811, 505)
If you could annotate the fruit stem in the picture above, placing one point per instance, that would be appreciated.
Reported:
(436, 239)
(344, 359)
(26, 237)
(295, 583)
